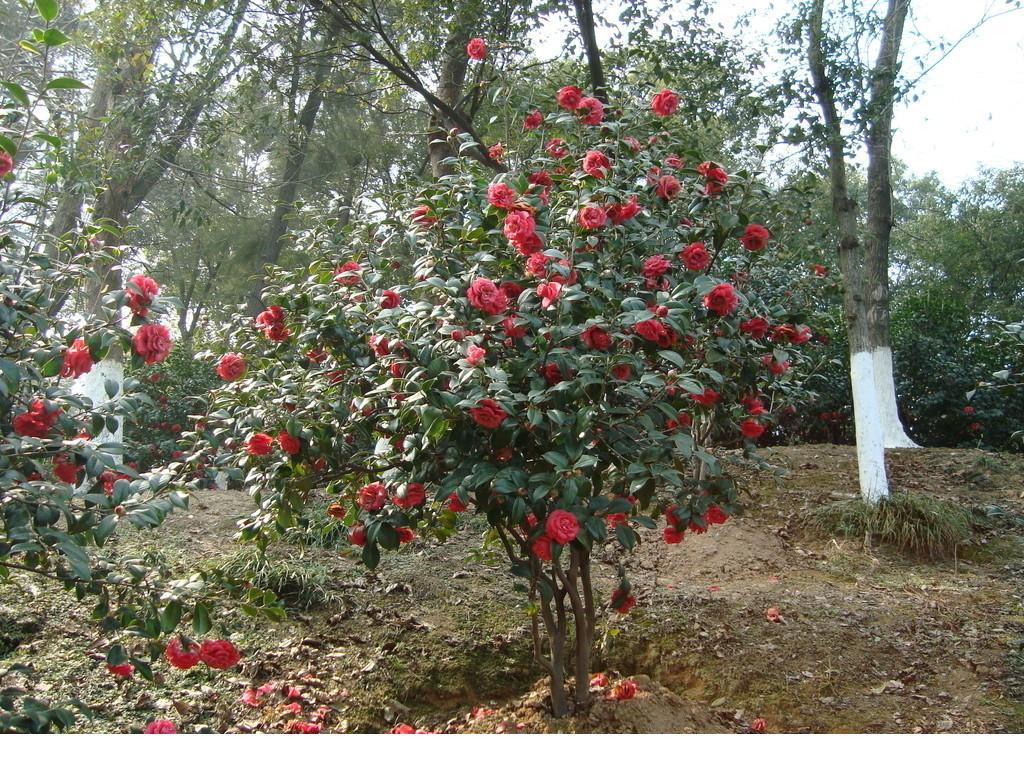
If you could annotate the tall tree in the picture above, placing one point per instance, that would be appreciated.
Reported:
(864, 265)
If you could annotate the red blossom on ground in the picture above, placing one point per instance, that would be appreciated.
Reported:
(219, 654)
(180, 657)
(160, 726)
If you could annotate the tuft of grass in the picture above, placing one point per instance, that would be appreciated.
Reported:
(317, 529)
(916, 525)
(298, 582)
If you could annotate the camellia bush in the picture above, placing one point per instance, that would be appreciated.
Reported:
(65, 486)
(555, 349)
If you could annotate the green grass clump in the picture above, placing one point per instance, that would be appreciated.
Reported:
(916, 525)
(298, 582)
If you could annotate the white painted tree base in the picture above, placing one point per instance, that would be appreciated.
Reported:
(92, 385)
(874, 484)
(894, 435)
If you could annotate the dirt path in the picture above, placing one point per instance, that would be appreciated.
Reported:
(867, 641)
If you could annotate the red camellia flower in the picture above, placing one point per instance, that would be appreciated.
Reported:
(773, 615)
(160, 726)
(422, 215)
(548, 293)
(695, 256)
(533, 120)
(665, 102)
(488, 413)
(413, 495)
(715, 515)
(519, 226)
(569, 97)
(511, 289)
(358, 535)
(372, 496)
(820, 270)
(591, 217)
(541, 547)
(562, 526)
(390, 299)
(655, 267)
(652, 330)
(219, 654)
(707, 397)
(596, 337)
(289, 443)
(405, 535)
(596, 163)
(778, 367)
(755, 326)
(455, 504)
(348, 273)
(512, 330)
(271, 322)
(501, 195)
(722, 299)
(620, 213)
(487, 297)
(622, 601)
(65, 468)
(715, 177)
(759, 725)
(179, 657)
(121, 670)
(140, 292)
(476, 49)
(152, 343)
(751, 429)
(594, 110)
(552, 373)
(6, 163)
(622, 371)
(672, 535)
(231, 366)
(668, 187)
(755, 237)
(599, 680)
(537, 265)
(475, 355)
(37, 421)
(556, 148)
(496, 151)
(260, 444)
(77, 359)
(968, 409)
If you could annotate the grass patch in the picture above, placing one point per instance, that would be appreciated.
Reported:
(914, 524)
(317, 529)
(298, 582)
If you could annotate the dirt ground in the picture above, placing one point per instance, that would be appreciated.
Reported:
(867, 640)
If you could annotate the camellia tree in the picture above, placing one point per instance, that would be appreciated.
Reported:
(555, 349)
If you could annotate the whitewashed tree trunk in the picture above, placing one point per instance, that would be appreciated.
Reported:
(874, 483)
(885, 387)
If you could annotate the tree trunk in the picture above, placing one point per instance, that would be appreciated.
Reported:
(585, 19)
(880, 221)
(451, 80)
(874, 483)
(298, 148)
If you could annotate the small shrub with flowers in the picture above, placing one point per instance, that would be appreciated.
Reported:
(178, 387)
(557, 349)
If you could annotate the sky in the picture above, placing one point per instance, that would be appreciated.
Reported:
(969, 110)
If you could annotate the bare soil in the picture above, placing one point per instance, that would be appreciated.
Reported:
(867, 640)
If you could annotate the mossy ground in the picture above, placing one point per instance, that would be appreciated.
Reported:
(869, 639)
